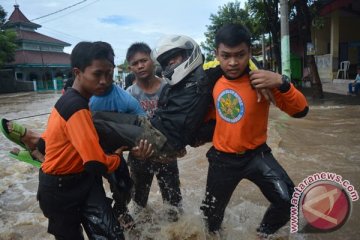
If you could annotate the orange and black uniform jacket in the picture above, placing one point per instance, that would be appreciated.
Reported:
(72, 143)
(241, 121)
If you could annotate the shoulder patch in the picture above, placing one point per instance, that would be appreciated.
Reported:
(69, 103)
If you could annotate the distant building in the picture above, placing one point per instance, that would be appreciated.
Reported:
(335, 38)
(39, 58)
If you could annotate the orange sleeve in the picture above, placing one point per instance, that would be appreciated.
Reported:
(291, 102)
(83, 136)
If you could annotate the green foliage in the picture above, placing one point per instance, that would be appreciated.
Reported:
(7, 41)
(2, 16)
(258, 14)
(7, 46)
(124, 66)
(228, 13)
(317, 21)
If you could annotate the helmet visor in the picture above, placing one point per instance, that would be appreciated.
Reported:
(165, 58)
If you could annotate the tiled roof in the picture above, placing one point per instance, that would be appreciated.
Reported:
(38, 58)
(35, 36)
(18, 17)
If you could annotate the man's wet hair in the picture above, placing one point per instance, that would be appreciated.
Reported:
(232, 35)
(85, 52)
(136, 48)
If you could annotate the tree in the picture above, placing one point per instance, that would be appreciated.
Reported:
(124, 66)
(267, 14)
(305, 17)
(7, 41)
(229, 13)
(259, 17)
(263, 17)
(304, 13)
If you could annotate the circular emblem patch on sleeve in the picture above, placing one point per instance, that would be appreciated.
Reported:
(230, 106)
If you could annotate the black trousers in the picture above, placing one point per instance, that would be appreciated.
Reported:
(121, 129)
(142, 173)
(73, 202)
(120, 186)
(260, 167)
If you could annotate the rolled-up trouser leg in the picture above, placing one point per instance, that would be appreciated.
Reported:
(98, 218)
(121, 129)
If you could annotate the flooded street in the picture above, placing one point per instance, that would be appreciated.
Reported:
(327, 140)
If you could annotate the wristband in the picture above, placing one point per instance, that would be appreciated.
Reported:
(285, 85)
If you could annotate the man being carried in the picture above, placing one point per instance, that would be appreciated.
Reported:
(183, 104)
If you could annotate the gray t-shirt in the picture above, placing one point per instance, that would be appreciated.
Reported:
(149, 102)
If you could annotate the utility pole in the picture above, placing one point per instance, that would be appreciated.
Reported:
(263, 50)
(285, 38)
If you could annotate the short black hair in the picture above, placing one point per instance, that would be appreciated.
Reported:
(85, 52)
(129, 79)
(232, 34)
(158, 71)
(137, 47)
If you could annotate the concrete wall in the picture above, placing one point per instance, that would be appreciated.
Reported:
(8, 84)
(349, 28)
(339, 27)
(7, 81)
(324, 65)
(349, 32)
(24, 86)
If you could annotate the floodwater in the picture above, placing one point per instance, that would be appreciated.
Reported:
(327, 140)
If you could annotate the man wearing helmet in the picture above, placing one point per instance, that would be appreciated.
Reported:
(182, 106)
(178, 56)
(184, 101)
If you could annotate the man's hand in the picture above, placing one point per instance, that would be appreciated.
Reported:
(142, 151)
(265, 79)
(268, 95)
(120, 150)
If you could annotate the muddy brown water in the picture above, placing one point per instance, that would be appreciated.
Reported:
(327, 140)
